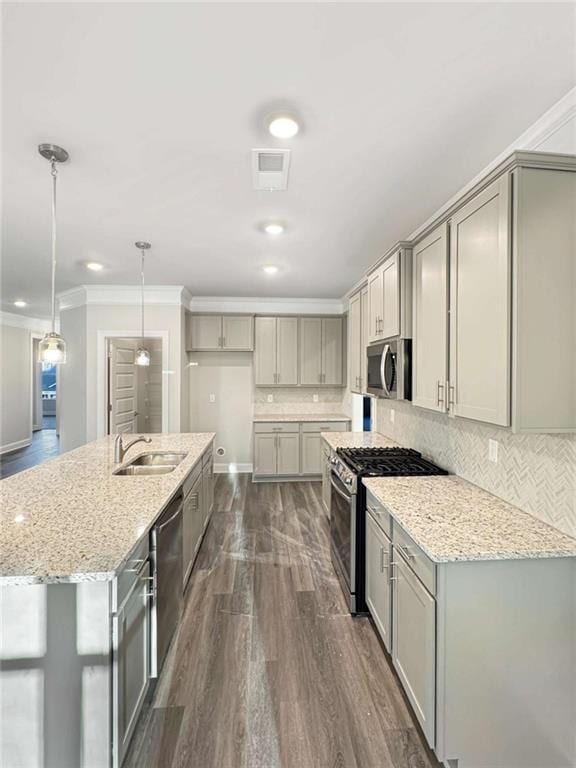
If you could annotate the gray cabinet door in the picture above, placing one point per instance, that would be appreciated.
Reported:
(310, 351)
(414, 644)
(311, 456)
(131, 630)
(192, 522)
(238, 333)
(375, 295)
(205, 332)
(326, 488)
(332, 348)
(430, 326)
(265, 352)
(378, 585)
(391, 296)
(288, 454)
(364, 337)
(355, 342)
(287, 351)
(480, 308)
(265, 453)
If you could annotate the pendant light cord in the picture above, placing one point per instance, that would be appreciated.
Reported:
(142, 297)
(54, 174)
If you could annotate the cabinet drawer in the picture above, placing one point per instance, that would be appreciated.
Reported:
(325, 426)
(191, 478)
(418, 561)
(276, 426)
(127, 576)
(379, 514)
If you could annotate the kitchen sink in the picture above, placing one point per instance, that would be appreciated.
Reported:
(157, 459)
(136, 470)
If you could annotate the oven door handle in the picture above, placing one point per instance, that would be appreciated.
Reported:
(385, 353)
(346, 497)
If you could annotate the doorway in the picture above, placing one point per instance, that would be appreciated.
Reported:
(44, 392)
(133, 392)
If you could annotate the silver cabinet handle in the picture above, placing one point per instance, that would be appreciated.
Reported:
(374, 511)
(278, 378)
(406, 552)
(439, 389)
(451, 394)
(393, 567)
(383, 565)
(223, 341)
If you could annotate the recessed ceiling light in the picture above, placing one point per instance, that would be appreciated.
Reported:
(270, 269)
(20, 303)
(283, 127)
(95, 266)
(274, 228)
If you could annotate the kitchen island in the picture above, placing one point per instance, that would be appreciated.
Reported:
(79, 586)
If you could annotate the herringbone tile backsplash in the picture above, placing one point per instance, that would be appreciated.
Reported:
(535, 472)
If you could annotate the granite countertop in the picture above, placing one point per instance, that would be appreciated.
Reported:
(70, 519)
(358, 440)
(291, 417)
(454, 520)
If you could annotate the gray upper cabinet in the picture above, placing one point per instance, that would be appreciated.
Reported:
(389, 291)
(321, 351)
(276, 352)
(479, 381)
(215, 333)
(391, 297)
(355, 355)
(375, 305)
(430, 327)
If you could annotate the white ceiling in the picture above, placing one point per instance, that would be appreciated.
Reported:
(160, 104)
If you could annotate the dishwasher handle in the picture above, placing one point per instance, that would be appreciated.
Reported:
(171, 519)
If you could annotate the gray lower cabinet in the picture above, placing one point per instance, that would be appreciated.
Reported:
(311, 453)
(131, 662)
(414, 643)
(192, 524)
(378, 592)
(326, 469)
(288, 454)
(265, 454)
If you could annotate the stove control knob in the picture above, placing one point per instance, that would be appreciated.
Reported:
(348, 481)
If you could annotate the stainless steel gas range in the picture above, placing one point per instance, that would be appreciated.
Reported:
(348, 507)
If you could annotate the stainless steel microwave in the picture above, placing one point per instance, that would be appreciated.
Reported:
(390, 369)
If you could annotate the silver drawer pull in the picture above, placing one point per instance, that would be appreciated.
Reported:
(374, 511)
(383, 565)
(406, 552)
(393, 567)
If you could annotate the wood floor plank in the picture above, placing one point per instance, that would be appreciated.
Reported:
(268, 669)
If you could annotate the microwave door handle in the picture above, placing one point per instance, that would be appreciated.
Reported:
(385, 354)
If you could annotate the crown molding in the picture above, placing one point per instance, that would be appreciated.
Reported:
(260, 305)
(127, 295)
(23, 321)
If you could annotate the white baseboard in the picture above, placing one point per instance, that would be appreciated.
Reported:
(15, 446)
(224, 468)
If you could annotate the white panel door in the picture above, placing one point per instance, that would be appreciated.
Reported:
(430, 326)
(332, 348)
(265, 373)
(480, 307)
(123, 388)
(238, 332)
(355, 342)
(414, 644)
(391, 297)
(378, 585)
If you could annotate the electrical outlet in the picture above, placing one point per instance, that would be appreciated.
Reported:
(212, 398)
(493, 451)
(392, 415)
(270, 398)
(315, 397)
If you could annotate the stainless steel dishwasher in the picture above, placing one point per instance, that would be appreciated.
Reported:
(167, 565)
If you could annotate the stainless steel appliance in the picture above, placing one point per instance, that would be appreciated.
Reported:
(348, 505)
(167, 566)
(390, 369)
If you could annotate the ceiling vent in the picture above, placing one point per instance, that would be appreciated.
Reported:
(270, 169)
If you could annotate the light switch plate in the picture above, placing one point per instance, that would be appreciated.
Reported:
(212, 398)
(392, 415)
(270, 398)
(315, 397)
(493, 451)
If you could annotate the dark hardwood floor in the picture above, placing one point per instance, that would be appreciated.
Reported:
(45, 445)
(268, 669)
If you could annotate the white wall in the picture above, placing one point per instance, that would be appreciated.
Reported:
(16, 379)
(228, 376)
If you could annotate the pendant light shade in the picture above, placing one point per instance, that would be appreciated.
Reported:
(52, 348)
(142, 354)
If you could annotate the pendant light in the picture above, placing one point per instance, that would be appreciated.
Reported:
(142, 354)
(52, 348)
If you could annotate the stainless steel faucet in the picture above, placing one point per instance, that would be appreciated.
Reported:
(120, 449)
